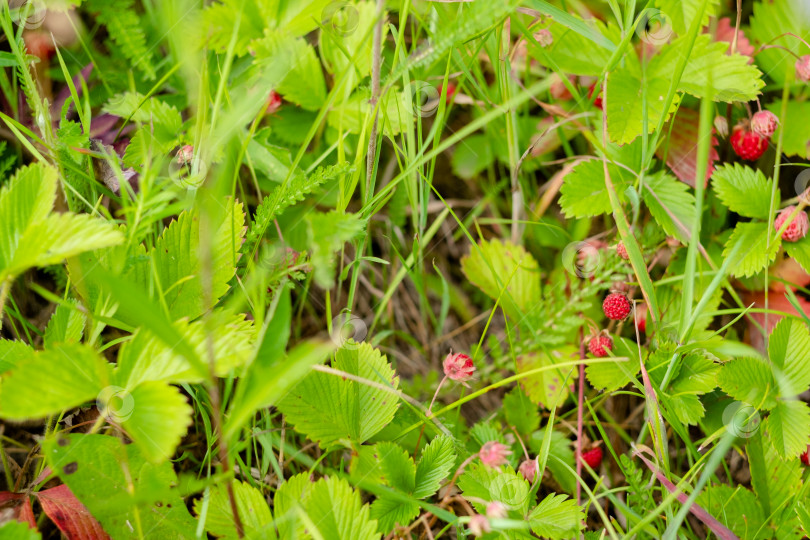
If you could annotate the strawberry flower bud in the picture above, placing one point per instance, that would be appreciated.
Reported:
(803, 68)
(797, 228)
(494, 454)
(479, 525)
(528, 469)
(458, 367)
(185, 155)
(764, 123)
(496, 510)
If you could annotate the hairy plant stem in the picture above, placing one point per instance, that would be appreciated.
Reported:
(375, 96)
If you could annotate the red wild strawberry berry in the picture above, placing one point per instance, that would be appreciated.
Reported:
(458, 367)
(641, 317)
(747, 144)
(273, 102)
(451, 90)
(598, 100)
(803, 68)
(593, 458)
(764, 123)
(600, 345)
(797, 228)
(622, 251)
(616, 306)
(806, 456)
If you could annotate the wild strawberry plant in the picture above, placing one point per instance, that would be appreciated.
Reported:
(390, 269)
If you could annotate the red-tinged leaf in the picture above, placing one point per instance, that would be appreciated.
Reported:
(726, 31)
(776, 302)
(21, 505)
(683, 145)
(722, 532)
(70, 515)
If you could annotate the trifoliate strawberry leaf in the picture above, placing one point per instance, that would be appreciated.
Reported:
(732, 77)
(156, 418)
(548, 388)
(331, 409)
(773, 22)
(686, 407)
(556, 517)
(32, 236)
(697, 375)
(680, 13)
(796, 131)
(584, 193)
(743, 190)
(50, 381)
(788, 428)
(625, 106)
(434, 465)
(390, 513)
(481, 484)
(128, 495)
(671, 204)
(749, 380)
(800, 251)
(254, 513)
(754, 255)
(789, 352)
(504, 272)
(289, 502)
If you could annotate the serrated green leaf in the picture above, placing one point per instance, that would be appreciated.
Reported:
(775, 479)
(685, 406)
(254, 513)
(671, 204)
(337, 511)
(135, 497)
(796, 131)
(326, 234)
(547, 388)
(556, 517)
(148, 358)
(749, 380)
(30, 237)
(304, 84)
(568, 46)
(772, 22)
(397, 466)
(437, 460)
(743, 190)
(12, 353)
(789, 352)
(17, 530)
(66, 325)
(157, 418)
(390, 512)
(625, 108)
(736, 508)
(331, 410)
(481, 485)
(520, 412)
(732, 77)
(291, 498)
(681, 13)
(174, 261)
(788, 428)
(754, 256)
(584, 193)
(698, 375)
(51, 381)
(505, 272)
